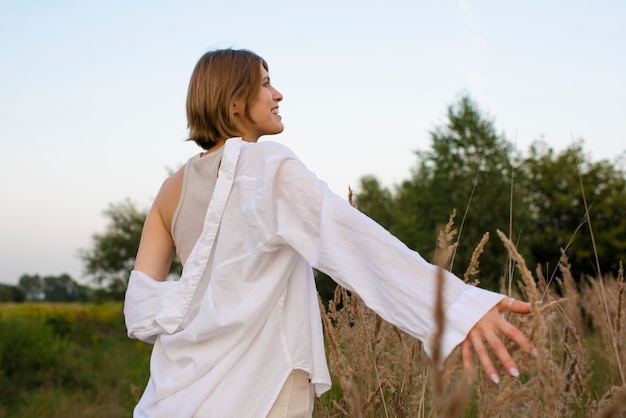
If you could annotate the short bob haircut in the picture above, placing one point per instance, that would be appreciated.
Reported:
(219, 78)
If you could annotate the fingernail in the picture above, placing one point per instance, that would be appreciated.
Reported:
(514, 372)
(534, 352)
(494, 378)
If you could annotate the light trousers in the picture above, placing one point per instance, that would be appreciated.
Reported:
(295, 399)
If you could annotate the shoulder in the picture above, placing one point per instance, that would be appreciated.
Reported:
(173, 184)
(169, 195)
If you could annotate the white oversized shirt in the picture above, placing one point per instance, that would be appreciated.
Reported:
(245, 313)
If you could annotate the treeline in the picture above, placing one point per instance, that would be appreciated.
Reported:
(63, 288)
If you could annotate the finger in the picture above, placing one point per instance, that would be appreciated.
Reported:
(483, 357)
(500, 351)
(466, 355)
(513, 305)
(514, 334)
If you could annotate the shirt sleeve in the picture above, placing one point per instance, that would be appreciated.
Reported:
(394, 281)
(143, 302)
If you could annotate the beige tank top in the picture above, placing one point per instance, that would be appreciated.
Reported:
(200, 176)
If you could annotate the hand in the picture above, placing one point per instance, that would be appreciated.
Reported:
(486, 331)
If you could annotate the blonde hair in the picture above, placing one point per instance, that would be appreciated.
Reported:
(219, 78)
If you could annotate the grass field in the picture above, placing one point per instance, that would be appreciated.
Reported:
(74, 360)
(68, 360)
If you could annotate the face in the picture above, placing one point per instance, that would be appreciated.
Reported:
(263, 116)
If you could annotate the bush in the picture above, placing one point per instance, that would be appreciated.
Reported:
(29, 352)
(68, 360)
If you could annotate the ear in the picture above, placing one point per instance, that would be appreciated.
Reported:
(238, 106)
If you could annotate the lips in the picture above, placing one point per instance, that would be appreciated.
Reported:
(275, 112)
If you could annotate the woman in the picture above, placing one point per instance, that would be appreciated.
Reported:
(239, 335)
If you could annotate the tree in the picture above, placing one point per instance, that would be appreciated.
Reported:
(555, 183)
(112, 257)
(537, 200)
(64, 289)
(32, 286)
(468, 169)
(375, 201)
(9, 293)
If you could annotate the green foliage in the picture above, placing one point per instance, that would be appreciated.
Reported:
(9, 293)
(51, 288)
(112, 257)
(64, 289)
(64, 360)
(32, 286)
(30, 356)
(467, 169)
(325, 286)
(375, 201)
(554, 184)
(536, 200)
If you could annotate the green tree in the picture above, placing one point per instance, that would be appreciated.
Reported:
(555, 183)
(537, 200)
(64, 289)
(112, 257)
(375, 201)
(469, 168)
(10, 293)
(32, 286)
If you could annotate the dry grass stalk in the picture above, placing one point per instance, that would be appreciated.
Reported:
(467, 208)
(355, 403)
(601, 297)
(610, 328)
(337, 360)
(351, 197)
(473, 270)
(452, 403)
(614, 342)
(440, 319)
(574, 362)
(456, 402)
(446, 247)
(619, 328)
(445, 250)
(549, 374)
(613, 404)
(570, 294)
(529, 282)
(542, 283)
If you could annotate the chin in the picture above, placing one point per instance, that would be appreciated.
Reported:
(278, 129)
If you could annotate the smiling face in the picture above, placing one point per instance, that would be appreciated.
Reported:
(262, 117)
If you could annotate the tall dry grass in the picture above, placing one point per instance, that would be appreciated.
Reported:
(578, 329)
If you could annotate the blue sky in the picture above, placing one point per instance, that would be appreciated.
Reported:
(92, 94)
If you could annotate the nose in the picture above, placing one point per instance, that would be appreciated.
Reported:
(276, 95)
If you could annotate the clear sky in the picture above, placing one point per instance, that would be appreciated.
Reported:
(92, 94)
